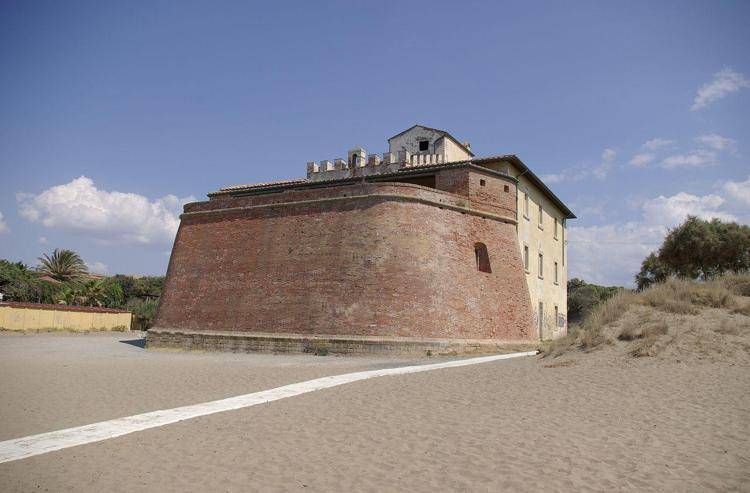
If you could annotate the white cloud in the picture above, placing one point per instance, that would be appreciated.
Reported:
(697, 158)
(739, 192)
(716, 142)
(601, 171)
(580, 172)
(43, 240)
(112, 217)
(97, 267)
(724, 83)
(611, 254)
(570, 175)
(608, 157)
(642, 160)
(650, 148)
(706, 154)
(3, 225)
(657, 143)
(553, 178)
(671, 211)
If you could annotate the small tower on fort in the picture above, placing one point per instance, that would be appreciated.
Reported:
(426, 141)
(416, 146)
(356, 157)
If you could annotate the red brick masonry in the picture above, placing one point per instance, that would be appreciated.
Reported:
(369, 259)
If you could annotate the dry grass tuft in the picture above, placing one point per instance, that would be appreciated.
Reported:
(589, 340)
(687, 297)
(590, 334)
(558, 347)
(679, 316)
(738, 284)
(647, 332)
(742, 289)
(742, 310)
(644, 347)
(678, 307)
(643, 327)
(561, 364)
(713, 295)
(630, 332)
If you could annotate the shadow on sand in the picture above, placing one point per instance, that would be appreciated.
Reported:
(141, 343)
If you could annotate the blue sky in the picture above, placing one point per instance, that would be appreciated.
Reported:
(113, 114)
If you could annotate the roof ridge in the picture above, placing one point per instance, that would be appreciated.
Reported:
(263, 184)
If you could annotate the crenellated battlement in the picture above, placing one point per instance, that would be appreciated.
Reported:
(359, 163)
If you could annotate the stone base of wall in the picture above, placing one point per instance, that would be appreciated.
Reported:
(247, 342)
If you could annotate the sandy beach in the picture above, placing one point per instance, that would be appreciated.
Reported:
(577, 423)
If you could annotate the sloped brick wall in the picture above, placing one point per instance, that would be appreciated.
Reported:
(369, 265)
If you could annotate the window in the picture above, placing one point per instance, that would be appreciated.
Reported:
(526, 257)
(557, 316)
(506, 188)
(526, 203)
(482, 258)
(482, 183)
(557, 275)
(541, 265)
(541, 217)
(424, 145)
(555, 228)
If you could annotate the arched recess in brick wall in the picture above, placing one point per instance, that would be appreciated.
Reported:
(482, 257)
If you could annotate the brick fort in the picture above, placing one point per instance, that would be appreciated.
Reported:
(425, 248)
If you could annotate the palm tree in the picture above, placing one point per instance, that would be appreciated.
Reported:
(63, 265)
(92, 293)
(66, 295)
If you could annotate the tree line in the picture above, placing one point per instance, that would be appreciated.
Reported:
(698, 249)
(63, 278)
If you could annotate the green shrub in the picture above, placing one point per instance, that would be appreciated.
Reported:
(144, 312)
(698, 249)
(20, 283)
(584, 297)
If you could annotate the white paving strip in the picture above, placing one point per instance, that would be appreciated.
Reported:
(20, 448)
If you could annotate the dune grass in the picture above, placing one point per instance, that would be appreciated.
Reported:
(675, 296)
(739, 284)
(687, 297)
(645, 331)
(590, 334)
